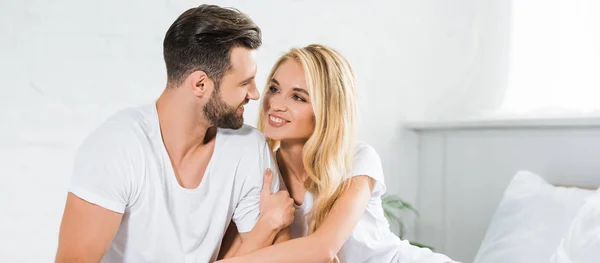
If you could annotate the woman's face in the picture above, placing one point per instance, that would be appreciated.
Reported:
(288, 111)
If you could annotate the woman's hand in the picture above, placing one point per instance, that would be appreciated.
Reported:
(276, 209)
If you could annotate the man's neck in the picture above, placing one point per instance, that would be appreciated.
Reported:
(183, 127)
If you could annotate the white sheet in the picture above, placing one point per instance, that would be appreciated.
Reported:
(530, 221)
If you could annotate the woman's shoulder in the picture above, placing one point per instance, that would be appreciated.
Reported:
(364, 150)
(368, 163)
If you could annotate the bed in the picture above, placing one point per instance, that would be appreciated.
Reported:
(464, 168)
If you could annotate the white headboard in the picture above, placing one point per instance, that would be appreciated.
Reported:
(464, 168)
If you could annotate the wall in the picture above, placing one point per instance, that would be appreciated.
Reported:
(67, 65)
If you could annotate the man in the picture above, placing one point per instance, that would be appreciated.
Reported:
(161, 182)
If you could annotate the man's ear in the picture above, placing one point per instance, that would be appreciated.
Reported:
(200, 84)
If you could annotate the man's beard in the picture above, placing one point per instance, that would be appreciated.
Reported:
(222, 115)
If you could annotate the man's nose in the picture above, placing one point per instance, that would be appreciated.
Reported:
(253, 93)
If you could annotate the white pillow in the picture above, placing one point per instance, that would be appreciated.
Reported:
(530, 221)
(582, 241)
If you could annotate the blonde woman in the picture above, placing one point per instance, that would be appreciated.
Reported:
(309, 117)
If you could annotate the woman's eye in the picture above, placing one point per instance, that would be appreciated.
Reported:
(273, 89)
(298, 98)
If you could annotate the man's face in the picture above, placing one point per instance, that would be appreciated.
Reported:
(225, 107)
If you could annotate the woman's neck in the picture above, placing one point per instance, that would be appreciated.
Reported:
(289, 159)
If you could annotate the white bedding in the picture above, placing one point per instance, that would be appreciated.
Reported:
(581, 244)
(530, 222)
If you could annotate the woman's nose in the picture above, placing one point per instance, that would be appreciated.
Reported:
(277, 104)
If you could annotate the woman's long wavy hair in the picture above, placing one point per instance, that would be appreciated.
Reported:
(328, 154)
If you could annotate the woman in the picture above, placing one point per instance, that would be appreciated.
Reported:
(309, 117)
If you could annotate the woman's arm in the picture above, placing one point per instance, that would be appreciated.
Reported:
(323, 245)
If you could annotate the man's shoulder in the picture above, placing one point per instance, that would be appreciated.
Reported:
(245, 146)
(131, 117)
(244, 137)
(121, 129)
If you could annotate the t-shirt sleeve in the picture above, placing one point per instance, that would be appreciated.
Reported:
(367, 162)
(103, 168)
(247, 210)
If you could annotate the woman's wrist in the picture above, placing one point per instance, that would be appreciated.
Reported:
(268, 225)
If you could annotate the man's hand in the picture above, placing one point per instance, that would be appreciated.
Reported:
(276, 210)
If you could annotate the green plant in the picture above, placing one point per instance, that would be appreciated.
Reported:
(393, 208)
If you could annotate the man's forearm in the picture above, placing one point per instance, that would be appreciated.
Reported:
(283, 235)
(261, 236)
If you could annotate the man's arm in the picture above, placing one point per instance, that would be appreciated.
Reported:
(261, 236)
(283, 235)
(233, 241)
(323, 244)
(86, 231)
(103, 182)
(276, 213)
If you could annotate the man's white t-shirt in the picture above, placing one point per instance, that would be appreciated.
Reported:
(123, 166)
(371, 240)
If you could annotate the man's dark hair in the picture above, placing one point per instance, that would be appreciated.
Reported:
(202, 39)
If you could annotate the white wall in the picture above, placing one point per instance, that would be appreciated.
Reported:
(66, 65)
(555, 58)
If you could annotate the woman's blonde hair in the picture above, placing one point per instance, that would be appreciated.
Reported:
(328, 154)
